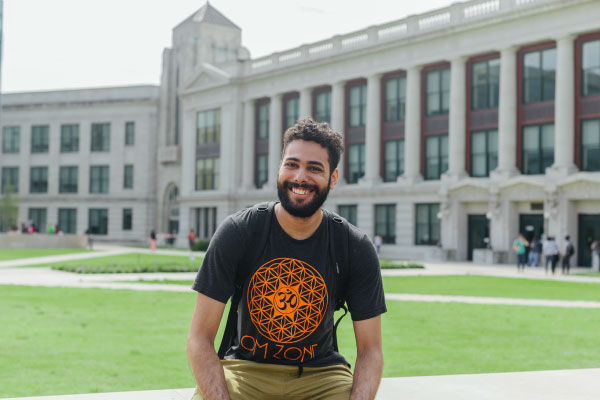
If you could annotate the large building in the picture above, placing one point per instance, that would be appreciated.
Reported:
(463, 126)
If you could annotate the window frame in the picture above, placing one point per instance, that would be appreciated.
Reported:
(128, 176)
(127, 219)
(8, 174)
(432, 211)
(101, 130)
(389, 211)
(69, 138)
(11, 139)
(103, 179)
(71, 220)
(488, 154)
(442, 94)
(102, 216)
(40, 139)
(399, 159)
(34, 171)
(72, 174)
(440, 156)
(540, 148)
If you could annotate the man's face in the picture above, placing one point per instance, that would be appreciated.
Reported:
(304, 178)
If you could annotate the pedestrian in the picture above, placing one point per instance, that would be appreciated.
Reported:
(568, 251)
(520, 247)
(191, 241)
(535, 251)
(153, 240)
(289, 265)
(594, 247)
(378, 241)
(551, 253)
(51, 229)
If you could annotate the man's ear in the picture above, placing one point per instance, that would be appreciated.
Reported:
(334, 178)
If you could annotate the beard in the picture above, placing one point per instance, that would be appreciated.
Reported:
(304, 209)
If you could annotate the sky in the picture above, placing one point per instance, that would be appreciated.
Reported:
(62, 44)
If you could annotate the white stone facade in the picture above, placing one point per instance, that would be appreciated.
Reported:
(208, 69)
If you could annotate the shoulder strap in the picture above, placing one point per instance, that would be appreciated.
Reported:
(338, 243)
(260, 224)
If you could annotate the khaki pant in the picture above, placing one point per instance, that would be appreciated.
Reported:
(247, 380)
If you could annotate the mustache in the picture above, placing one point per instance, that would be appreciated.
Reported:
(308, 186)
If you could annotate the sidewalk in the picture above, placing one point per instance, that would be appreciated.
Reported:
(575, 384)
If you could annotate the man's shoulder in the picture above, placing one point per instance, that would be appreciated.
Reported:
(354, 234)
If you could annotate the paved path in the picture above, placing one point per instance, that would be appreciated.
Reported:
(575, 384)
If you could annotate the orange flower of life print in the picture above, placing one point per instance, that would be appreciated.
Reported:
(287, 299)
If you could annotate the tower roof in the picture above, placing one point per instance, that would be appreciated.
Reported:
(211, 15)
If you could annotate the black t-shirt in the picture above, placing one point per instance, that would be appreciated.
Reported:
(288, 300)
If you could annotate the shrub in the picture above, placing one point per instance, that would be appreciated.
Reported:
(201, 245)
(391, 264)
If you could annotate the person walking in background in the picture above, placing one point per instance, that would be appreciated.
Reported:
(535, 250)
(191, 241)
(595, 258)
(551, 253)
(520, 247)
(153, 240)
(568, 251)
(377, 242)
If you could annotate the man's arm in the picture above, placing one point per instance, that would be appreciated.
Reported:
(204, 361)
(369, 359)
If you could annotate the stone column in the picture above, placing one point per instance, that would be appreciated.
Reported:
(275, 138)
(457, 119)
(305, 103)
(507, 114)
(373, 130)
(564, 107)
(248, 146)
(337, 120)
(412, 147)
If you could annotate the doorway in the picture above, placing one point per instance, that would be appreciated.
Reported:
(478, 232)
(589, 230)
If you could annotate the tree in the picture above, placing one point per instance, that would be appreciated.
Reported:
(9, 209)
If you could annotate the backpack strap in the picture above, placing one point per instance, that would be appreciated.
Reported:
(339, 232)
(259, 224)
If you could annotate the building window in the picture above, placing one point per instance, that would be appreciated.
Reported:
(67, 180)
(99, 179)
(39, 139)
(590, 68)
(127, 219)
(484, 152)
(438, 91)
(11, 137)
(206, 222)
(323, 106)
(98, 221)
(427, 224)
(356, 162)
(128, 177)
(539, 69)
(208, 127)
(10, 179)
(590, 145)
(100, 137)
(38, 180)
(395, 99)
(262, 125)
(357, 106)
(129, 133)
(207, 174)
(538, 148)
(38, 217)
(69, 138)
(436, 156)
(262, 170)
(67, 220)
(485, 83)
(292, 111)
(393, 165)
(385, 222)
(348, 211)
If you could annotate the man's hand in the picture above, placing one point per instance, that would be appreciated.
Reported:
(205, 363)
(369, 359)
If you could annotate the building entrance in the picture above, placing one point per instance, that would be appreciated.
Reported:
(530, 226)
(589, 230)
(478, 232)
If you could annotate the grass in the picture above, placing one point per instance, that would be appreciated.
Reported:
(391, 264)
(133, 262)
(60, 341)
(485, 286)
(596, 274)
(15, 254)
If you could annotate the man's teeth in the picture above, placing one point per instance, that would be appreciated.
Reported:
(299, 190)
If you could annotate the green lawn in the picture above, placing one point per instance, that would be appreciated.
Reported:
(14, 254)
(132, 262)
(486, 286)
(59, 341)
(596, 274)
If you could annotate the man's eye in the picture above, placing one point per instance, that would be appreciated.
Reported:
(316, 169)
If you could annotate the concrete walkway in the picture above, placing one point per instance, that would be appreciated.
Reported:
(575, 384)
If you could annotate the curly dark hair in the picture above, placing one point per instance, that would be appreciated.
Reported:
(318, 132)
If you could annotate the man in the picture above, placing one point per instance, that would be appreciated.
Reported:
(551, 253)
(284, 342)
(520, 248)
(568, 252)
(191, 241)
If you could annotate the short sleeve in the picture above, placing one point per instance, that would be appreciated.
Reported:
(364, 290)
(216, 277)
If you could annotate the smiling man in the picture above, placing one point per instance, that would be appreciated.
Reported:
(286, 267)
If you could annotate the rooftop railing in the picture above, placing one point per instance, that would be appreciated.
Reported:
(413, 25)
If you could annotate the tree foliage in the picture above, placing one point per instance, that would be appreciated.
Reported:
(9, 209)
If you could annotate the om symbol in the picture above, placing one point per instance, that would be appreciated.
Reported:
(286, 300)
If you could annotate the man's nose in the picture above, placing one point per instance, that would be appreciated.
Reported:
(300, 174)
